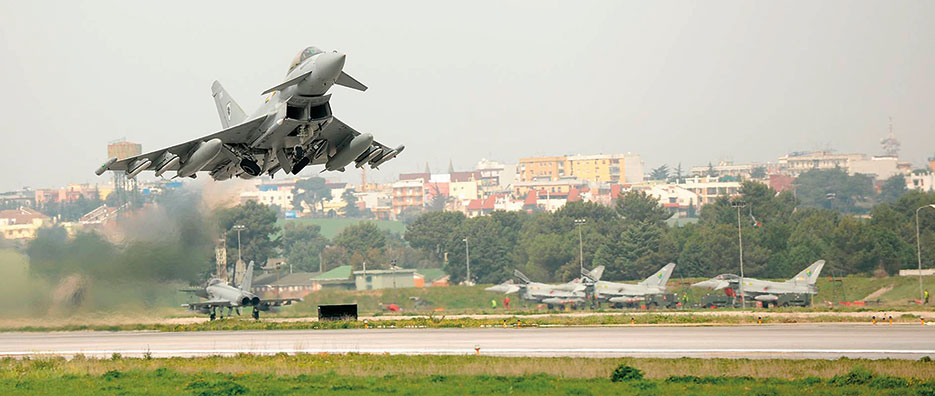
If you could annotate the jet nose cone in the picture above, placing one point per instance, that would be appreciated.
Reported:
(329, 65)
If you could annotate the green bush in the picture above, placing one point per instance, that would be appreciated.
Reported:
(203, 387)
(626, 373)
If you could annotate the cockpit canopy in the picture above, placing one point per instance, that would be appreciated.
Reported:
(302, 56)
(215, 281)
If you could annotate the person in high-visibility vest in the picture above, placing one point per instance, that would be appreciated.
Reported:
(925, 296)
(493, 303)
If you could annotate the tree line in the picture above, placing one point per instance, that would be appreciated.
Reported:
(782, 234)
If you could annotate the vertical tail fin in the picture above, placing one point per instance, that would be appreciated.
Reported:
(247, 281)
(229, 111)
(595, 274)
(810, 274)
(521, 276)
(661, 277)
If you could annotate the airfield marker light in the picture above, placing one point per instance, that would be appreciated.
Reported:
(873, 319)
(632, 320)
(923, 321)
(477, 350)
(891, 320)
(366, 323)
(759, 320)
(519, 323)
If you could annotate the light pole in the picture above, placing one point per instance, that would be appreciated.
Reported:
(467, 260)
(394, 272)
(578, 224)
(321, 260)
(239, 228)
(919, 251)
(739, 205)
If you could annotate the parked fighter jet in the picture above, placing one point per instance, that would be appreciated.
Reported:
(767, 292)
(291, 130)
(624, 293)
(575, 292)
(220, 294)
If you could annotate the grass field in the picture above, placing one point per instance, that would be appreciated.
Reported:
(430, 375)
(333, 226)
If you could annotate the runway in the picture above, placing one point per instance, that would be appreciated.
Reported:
(826, 341)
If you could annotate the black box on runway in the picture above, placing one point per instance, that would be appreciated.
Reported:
(337, 312)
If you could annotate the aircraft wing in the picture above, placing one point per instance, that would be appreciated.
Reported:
(207, 304)
(245, 132)
(338, 131)
(268, 303)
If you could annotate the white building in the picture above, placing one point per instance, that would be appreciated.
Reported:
(675, 198)
(923, 182)
(278, 195)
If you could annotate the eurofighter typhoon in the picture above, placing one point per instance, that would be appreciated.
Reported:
(219, 295)
(293, 128)
(767, 292)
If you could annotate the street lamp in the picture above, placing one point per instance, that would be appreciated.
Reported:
(321, 260)
(578, 224)
(919, 251)
(239, 228)
(467, 260)
(739, 205)
(394, 267)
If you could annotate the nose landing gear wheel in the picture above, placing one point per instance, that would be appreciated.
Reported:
(250, 167)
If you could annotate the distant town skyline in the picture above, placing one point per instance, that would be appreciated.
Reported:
(687, 83)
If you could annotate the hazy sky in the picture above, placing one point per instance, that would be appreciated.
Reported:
(675, 82)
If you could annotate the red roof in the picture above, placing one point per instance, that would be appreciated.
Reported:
(532, 198)
(615, 191)
(573, 195)
(22, 215)
(483, 204)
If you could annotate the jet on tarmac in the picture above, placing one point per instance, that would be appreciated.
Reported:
(575, 292)
(624, 293)
(220, 295)
(766, 292)
(293, 128)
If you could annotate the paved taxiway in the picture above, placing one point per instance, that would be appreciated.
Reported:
(766, 341)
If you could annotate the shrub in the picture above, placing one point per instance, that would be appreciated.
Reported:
(202, 387)
(111, 375)
(626, 373)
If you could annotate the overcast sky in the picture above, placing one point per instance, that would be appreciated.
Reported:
(674, 82)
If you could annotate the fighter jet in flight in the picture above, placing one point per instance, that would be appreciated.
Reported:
(220, 295)
(767, 292)
(575, 292)
(625, 293)
(293, 128)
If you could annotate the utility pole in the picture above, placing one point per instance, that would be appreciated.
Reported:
(467, 260)
(739, 205)
(578, 224)
(919, 252)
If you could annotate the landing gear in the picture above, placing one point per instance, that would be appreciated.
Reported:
(250, 167)
(256, 313)
(300, 164)
(213, 313)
